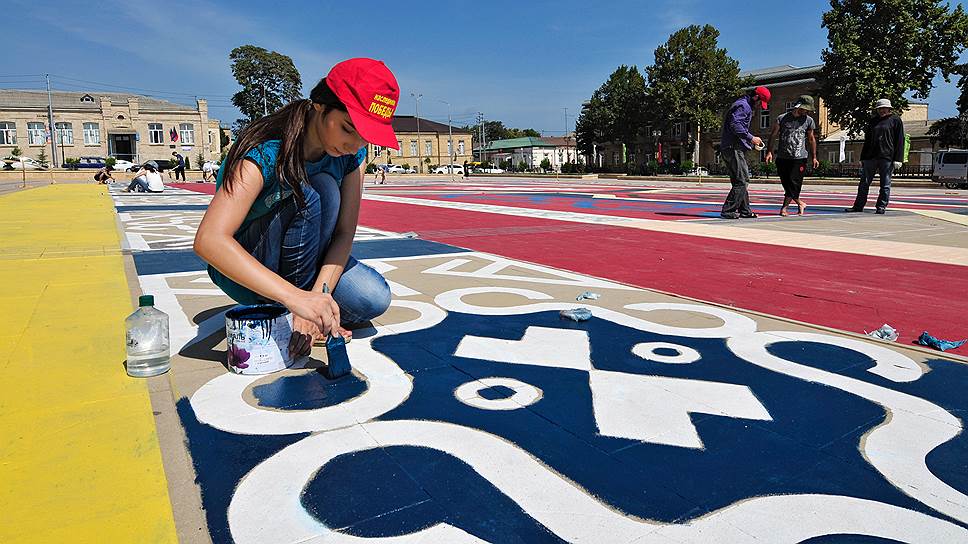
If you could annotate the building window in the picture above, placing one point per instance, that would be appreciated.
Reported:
(413, 148)
(35, 134)
(460, 147)
(614, 157)
(211, 138)
(156, 135)
(428, 147)
(450, 148)
(186, 132)
(92, 134)
(677, 130)
(65, 133)
(764, 118)
(8, 134)
(377, 150)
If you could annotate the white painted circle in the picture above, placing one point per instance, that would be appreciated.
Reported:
(525, 394)
(684, 355)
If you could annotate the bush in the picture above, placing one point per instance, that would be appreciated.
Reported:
(110, 161)
(42, 156)
(506, 165)
(769, 168)
(406, 165)
(823, 169)
(16, 152)
(71, 163)
(688, 166)
(545, 165)
(522, 166)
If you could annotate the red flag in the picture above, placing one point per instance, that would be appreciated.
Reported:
(174, 135)
(659, 158)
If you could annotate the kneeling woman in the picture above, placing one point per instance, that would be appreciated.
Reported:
(287, 201)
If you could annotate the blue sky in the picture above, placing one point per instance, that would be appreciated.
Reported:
(518, 62)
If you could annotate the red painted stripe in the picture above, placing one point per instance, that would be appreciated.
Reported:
(840, 290)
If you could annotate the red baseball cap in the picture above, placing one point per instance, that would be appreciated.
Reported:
(370, 93)
(764, 95)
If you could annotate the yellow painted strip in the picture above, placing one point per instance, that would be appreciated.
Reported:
(944, 216)
(80, 455)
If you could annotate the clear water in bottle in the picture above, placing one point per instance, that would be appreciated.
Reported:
(147, 340)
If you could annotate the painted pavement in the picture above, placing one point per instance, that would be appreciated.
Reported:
(475, 413)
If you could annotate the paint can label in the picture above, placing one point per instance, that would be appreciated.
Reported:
(257, 338)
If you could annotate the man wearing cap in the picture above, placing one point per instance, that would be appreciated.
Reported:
(883, 153)
(736, 141)
(795, 130)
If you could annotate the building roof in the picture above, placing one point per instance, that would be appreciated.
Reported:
(408, 123)
(780, 74)
(16, 99)
(517, 143)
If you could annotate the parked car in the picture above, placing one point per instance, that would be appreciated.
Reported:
(122, 165)
(951, 168)
(444, 169)
(491, 170)
(701, 171)
(22, 163)
(397, 169)
(87, 162)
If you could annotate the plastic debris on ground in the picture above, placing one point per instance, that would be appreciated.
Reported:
(410, 234)
(942, 345)
(588, 295)
(886, 332)
(577, 314)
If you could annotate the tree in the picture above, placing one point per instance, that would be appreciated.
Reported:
(269, 81)
(885, 49)
(545, 165)
(953, 131)
(692, 81)
(615, 112)
(42, 156)
(495, 130)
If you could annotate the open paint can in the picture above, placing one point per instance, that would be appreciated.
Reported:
(258, 338)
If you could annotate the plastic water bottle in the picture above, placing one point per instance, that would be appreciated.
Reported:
(147, 340)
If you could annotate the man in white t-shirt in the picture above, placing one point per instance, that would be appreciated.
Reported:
(209, 170)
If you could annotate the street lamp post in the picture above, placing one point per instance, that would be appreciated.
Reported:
(416, 115)
(450, 142)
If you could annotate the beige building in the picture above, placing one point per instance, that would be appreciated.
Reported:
(125, 126)
(431, 142)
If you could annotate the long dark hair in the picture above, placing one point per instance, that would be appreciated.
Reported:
(287, 125)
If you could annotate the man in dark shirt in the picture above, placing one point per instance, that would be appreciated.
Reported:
(736, 141)
(883, 153)
(179, 164)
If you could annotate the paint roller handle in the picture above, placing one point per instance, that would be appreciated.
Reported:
(318, 308)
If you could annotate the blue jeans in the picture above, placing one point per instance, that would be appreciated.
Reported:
(293, 242)
(869, 169)
(140, 183)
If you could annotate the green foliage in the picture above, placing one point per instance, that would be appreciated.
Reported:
(199, 160)
(486, 164)
(692, 80)
(42, 156)
(262, 73)
(495, 130)
(615, 112)
(886, 49)
(16, 151)
(110, 161)
(824, 167)
(506, 165)
(223, 137)
(72, 163)
(406, 165)
(953, 131)
(522, 166)
(545, 165)
(688, 166)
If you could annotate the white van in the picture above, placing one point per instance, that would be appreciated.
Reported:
(951, 168)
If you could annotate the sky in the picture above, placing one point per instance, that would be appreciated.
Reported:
(527, 64)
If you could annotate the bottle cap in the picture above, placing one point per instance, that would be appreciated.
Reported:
(146, 300)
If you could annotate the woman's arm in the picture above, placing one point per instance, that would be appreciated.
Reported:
(351, 192)
(216, 244)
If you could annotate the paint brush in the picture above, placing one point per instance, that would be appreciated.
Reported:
(337, 362)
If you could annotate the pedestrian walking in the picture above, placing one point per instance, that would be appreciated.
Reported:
(797, 143)
(883, 152)
(735, 142)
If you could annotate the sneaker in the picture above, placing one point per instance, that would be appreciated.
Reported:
(750, 215)
(880, 211)
(729, 215)
(854, 210)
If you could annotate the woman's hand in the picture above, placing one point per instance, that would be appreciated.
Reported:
(319, 309)
(304, 333)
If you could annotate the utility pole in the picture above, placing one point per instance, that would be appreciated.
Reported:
(416, 115)
(50, 123)
(450, 142)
